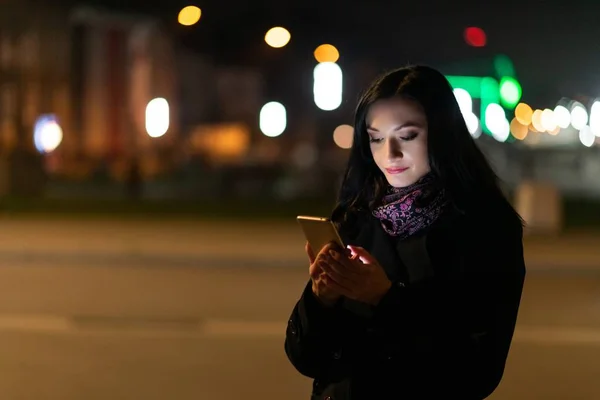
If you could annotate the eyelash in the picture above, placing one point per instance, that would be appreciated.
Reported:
(408, 138)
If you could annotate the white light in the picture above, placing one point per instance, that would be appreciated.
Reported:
(473, 125)
(595, 118)
(562, 117)
(327, 86)
(587, 137)
(343, 136)
(579, 117)
(272, 119)
(157, 117)
(47, 134)
(495, 119)
(548, 121)
(503, 132)
(464, 100)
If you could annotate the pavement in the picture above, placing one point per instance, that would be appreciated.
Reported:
(109, 309)
(178, 333)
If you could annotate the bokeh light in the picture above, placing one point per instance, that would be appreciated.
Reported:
(475, 37)
(586, 136)
(536, 121)
(157, 117)
(523, 113)
(547, 120)
(343, 136)
(272, 119)
(562, 116)
(495, 117)
(326, 53)
(579, 116)
(189, 15)
(277, 37)
(47, 133)
(510, 91)
(518, 130)
(327, 86)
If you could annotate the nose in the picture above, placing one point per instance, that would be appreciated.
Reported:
(394, 150)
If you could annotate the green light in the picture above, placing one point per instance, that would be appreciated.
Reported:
(484, 88)
(510, 92)
(504, 66)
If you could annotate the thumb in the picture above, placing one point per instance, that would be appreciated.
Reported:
(363, 255)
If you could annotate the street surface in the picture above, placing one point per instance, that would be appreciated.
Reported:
(184, 310)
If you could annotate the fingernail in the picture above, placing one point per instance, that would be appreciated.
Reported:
(333, 253)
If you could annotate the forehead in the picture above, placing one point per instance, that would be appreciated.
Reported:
(396, 110)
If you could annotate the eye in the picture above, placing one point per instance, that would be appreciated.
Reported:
(410, 136)
(374, 140)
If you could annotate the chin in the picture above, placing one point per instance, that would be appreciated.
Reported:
(402, 180)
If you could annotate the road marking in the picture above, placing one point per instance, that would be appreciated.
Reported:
(35, 323)
(225, 328)
(229, 328)
(557, 335)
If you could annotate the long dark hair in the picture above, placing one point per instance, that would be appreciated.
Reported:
(456, 161)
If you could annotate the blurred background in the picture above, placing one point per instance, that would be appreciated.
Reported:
(154, 154)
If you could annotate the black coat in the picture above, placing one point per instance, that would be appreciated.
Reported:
(442, 331)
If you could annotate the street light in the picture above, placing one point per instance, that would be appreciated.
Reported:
(326, 53)
(277, 37)
(189, 15)
(327, 86)
(272, 119)
(47, 134)
(157, 117)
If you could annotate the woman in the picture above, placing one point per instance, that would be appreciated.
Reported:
(423, 303)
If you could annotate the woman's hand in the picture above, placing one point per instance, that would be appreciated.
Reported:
(359, 277)
(326, 295)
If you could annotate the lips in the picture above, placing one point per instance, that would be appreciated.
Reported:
(396, 170)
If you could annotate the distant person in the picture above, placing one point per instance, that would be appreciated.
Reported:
(423, 303)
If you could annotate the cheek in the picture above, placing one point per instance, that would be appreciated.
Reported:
(377, 155)
(421, 155)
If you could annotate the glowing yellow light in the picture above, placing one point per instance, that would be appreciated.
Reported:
(277, 37)
(189, 15)
(523, 113)
(518, 130)
(536, 121)
(326, 53)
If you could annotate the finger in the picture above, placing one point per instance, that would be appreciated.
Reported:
(335, 287)
(333, 269)
(315, 270)
(310, 253)
(324, 252)
(362, 254)
(347, 263)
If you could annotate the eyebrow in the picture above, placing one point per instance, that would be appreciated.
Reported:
(397, 128)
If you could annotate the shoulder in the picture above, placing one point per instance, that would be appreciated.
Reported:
(480, 230)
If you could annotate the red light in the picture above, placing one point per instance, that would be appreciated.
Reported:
(475, 37)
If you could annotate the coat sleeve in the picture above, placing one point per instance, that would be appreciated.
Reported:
(314, 343)
(454, 334)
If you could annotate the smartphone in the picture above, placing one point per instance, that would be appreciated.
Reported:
(319, 231)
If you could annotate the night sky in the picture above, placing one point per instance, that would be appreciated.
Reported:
(555, 45)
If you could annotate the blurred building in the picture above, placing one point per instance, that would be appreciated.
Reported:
(119, 64)
(34, 80)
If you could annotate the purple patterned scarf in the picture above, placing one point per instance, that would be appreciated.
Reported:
(406, 211)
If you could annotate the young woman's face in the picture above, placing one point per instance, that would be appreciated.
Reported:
(397, 131)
